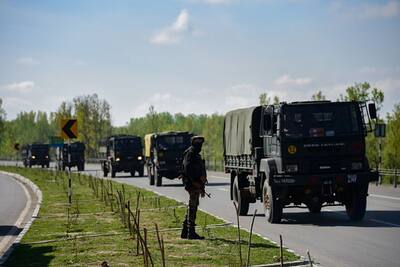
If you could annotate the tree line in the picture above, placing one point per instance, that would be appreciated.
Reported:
(94, 118)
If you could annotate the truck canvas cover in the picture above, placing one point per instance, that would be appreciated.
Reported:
(242, 131)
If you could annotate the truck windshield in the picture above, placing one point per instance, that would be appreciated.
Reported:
(128, 144)
(321, 120)
(178, 142)
(42, 149)
(77, 147)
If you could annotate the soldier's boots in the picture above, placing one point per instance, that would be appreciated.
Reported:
(193, 235)
(184, 233)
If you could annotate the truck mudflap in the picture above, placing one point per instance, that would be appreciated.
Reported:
(320, 179)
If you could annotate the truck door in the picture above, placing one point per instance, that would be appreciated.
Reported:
(269, 131)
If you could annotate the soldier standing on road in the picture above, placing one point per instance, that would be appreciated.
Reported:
(195, 178)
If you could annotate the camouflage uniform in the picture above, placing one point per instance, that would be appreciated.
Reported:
(195, 178)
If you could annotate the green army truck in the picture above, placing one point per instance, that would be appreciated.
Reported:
(77, 156)
(164, 155)
(36, 154)
(301, 154)
(123, 153)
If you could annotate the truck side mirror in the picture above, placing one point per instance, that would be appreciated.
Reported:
(372, 110)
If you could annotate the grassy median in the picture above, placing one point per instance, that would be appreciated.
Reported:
(116, 223)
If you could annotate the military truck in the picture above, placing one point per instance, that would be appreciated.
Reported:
(36, 154)
(301, 154)
(124, 153)
(164, 155)
(77, 150)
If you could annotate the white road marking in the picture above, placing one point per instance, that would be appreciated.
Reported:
(18, 223)
(384, 197)
(223, 189)
(383, 222)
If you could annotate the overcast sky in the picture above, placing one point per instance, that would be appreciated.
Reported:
(194, 56)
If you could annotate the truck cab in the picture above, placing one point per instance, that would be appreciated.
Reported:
(77, 159)
(305, 154)
(164, 155)
(36, 154)
(124, 153)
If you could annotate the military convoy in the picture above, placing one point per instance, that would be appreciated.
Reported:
(164, 155)
(302, 153)
(123, 153)
(77, 156)
(36, 154)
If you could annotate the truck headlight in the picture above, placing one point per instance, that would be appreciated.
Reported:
(117, 159)
(139, 158)
(356, 166)
(33, 157)
(47, 157)
(292, 168)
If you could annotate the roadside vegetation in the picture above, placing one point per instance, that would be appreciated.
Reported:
(94, 116)
(117, 223)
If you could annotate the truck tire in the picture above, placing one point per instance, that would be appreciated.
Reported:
(113, 172)
(105, 173)
(151, 176)
(241, 202)
(272, 207)
(356, 205)
(158, 177)
(48, 165)
(141, 171)
(133, 173)
(314, 208)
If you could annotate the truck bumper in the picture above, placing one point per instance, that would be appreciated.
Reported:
(326, 178)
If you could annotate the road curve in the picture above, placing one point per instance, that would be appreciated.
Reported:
(330, 237)
(16, 207)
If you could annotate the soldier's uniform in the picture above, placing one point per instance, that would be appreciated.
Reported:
(195, 178)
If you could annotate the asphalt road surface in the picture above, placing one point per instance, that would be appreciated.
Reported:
(16, 207)
(330, 237)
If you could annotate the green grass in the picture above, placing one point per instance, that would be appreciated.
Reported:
(89, 215)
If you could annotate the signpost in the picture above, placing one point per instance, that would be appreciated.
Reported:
(69, 130)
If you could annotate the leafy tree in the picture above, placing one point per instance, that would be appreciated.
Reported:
(318, 96)
(264, 99)
(392, 148)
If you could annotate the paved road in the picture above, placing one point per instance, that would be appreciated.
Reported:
(16, 207)
(331, 238)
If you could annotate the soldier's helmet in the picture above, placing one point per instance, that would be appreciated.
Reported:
(197, 139)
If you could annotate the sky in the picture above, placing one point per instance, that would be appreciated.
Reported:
(194, 56)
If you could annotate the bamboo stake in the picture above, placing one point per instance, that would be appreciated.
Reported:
(251, 233)
(239, 239)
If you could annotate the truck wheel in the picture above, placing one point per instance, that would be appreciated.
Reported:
(241, 202)
(315, 208)
(141, 172)
(48, 165)
(105, 173)
(133, 173)
(151, 176)
(356, 205)
(272, 206)
(158, 177)
(113, 172)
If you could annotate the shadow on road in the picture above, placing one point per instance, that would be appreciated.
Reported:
(9, 230)
(26, 255)
(340, 219)
(220, 241)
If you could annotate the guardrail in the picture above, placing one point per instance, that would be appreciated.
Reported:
(391, 173)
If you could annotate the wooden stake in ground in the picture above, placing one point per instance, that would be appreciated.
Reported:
(281, 249)
(161, 245)
(309, 258)
(239, 239)
(251, 233)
